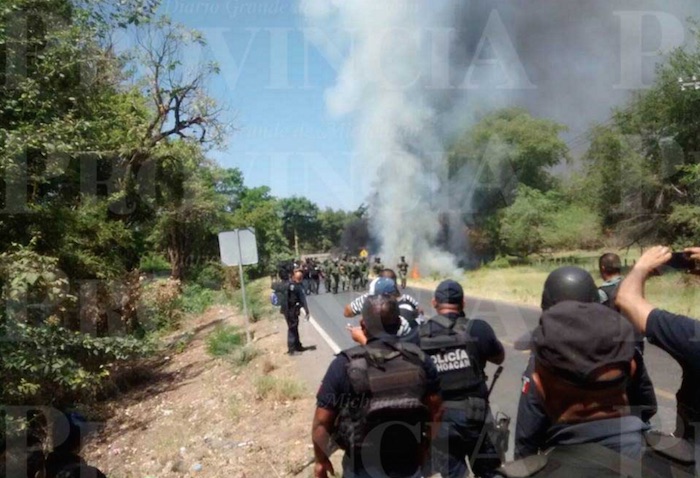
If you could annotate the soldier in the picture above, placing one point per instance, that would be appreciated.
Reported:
(326, 273)
(378, 267)
(335, 274)
(343, 273)
(402, 266)
(355, 274)
(364, 273)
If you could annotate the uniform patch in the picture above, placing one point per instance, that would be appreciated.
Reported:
(455, 360)
(526, 385)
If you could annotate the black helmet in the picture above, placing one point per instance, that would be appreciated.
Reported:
(569, 283)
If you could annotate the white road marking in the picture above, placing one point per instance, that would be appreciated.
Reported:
(324, 335)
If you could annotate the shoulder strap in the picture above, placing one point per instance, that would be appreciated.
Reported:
(443, 321)
(411, 351)
(355, 352)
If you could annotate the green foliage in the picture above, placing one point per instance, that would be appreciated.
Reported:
(154, 263)
(162, 304)
(224, 341)
(572, 227)
(49, 364)
(278, 389)
(507, 148)
(242, 356)
(105, 175)
(211, 275)
(642, 167)
(260, 210)
(523, 223)
(196, 299)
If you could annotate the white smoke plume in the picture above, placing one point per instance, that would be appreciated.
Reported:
(397, 137)
(416, 73)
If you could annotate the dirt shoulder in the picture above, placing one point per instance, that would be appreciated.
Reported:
(205, 417)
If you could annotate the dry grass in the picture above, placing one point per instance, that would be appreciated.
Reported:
(676, 292)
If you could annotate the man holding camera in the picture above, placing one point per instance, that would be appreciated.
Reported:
(676, 334)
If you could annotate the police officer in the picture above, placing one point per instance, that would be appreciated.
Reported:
(532, 425)
(582, 367)
(367, 393)
(296, 302)
(402, 266)
(460, 348)
(675, 334)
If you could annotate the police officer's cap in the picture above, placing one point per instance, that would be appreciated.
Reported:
(449, 292)
(576, 340)
(569, 283)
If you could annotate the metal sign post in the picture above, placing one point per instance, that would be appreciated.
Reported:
(239, 248)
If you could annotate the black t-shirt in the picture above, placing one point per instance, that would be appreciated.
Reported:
(487, 345)
(680, 337)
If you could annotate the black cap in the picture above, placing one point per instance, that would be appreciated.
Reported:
(569, 283)
(575, 340)
(449, 292)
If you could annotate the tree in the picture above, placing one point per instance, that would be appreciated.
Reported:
(189, 211)
(260, 210)
(507, 148)
(644, 160)
(523, 223)
(300, 222)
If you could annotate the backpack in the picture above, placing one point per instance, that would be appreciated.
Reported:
(390, 384)
(280, 296)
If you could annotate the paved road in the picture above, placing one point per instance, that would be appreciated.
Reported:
(510, 322)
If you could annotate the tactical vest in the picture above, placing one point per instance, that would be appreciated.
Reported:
(611, 291)
(389, 383)
(454, 353)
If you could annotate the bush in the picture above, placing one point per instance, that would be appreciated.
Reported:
(278, 389)
(244, 355)
(161, 304)
(573, 227)
(211, 276)
(224, 341)
(196, 299)
(153, 263)
(50, 364)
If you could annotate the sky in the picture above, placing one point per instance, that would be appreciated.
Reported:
(272, 84)
(278, 86)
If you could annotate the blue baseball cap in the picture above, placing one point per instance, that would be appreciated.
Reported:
(383, 286)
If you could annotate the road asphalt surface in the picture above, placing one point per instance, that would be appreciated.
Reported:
(510, 322)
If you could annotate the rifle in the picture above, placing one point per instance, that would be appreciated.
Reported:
(501, 426)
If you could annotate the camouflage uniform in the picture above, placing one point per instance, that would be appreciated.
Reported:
(343, 268)
(403, 271)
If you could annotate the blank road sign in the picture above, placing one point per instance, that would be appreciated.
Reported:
(228, 245)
